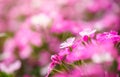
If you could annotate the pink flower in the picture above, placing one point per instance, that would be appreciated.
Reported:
(86, 34)
(98, 5)
(53, 43)
(88, 70)
(25, 52)
(109, 22)
(64, 52)
(113, 36)
(26, 75)
(95, 50)
(24, 38)
(8, 50)
(56, 59)
(46, 56)
(10, 68)
(50, 68)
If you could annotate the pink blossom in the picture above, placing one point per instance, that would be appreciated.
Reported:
(97, 5)
(86, 33)
(8, 50)
(107, 22)
(46, 56)
(24, 38)
(56, 59)
(53, 43)
(113, 36)
(89, 70)
(26, 75)
(50, 68)
(10, 68)
(64, 52)
(25, 52)
(95, 51)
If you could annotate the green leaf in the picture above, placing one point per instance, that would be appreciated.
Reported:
(3, 74)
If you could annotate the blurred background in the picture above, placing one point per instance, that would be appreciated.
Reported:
(32, 30)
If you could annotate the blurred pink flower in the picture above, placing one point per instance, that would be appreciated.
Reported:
(10, 68)
(26, 75)
(8, 50)
(25, 52)
(46, 56)
(24, 38)
(88, 70)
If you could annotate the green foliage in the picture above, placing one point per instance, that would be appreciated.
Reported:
(2, 74)
(63, 36)
(114, 66)
(36, 71)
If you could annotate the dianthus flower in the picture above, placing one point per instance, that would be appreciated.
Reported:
(81, 58)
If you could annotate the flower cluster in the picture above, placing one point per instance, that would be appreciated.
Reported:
(32, 30)
(82, 57)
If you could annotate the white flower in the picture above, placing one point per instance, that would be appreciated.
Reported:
(67, 43)
(87, 32)
(41, 20)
